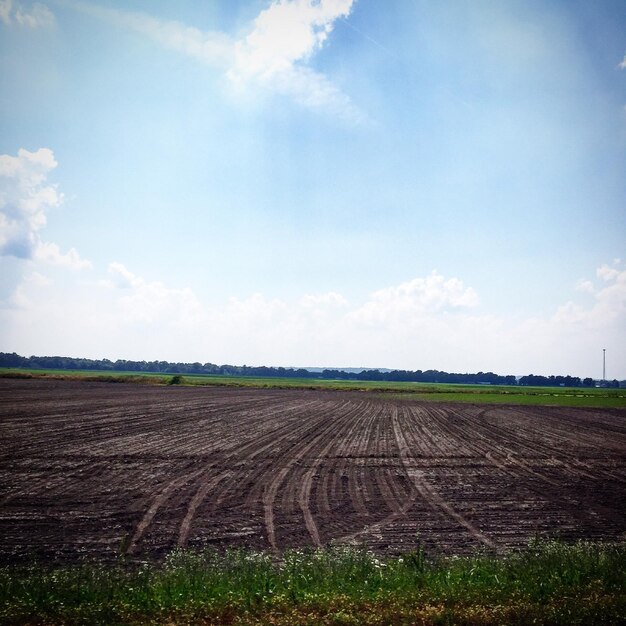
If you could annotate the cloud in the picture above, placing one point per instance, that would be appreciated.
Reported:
(330, 299)
(122, 277)
(609, 306)
(274, 54)
(586, 286)
(285, 34)
(622, 65)
(39, 15)
(415, 299)
(607, 273)
(50, 253)
(147, 302)
(429, 322)
(25, 197)
(210, 48)
(284, 37)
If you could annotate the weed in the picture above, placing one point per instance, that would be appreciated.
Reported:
(548, 583)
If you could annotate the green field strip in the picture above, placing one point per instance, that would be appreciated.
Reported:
(437, 392)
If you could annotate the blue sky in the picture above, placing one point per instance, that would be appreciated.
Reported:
(337, 183)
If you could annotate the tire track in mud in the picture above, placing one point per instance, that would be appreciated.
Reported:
(601, 472)
(157, 503)
(219, 486)
(112, 425)
(570, 429)
(493, 442)
(397, 500)
(350, 447)
(384, 479)
(308, 423)
(427, 492)
(297, 455)
(428, 435)
(554, 453)
(288, 423)
(151, 468)
(359, 437)
(538, 482)
(304, 497)
(194, 503)
(205, 482)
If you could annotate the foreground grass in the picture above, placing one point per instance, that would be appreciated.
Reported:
(549, 583)
(479, 394)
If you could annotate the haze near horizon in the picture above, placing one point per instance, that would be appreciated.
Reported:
(290, 182)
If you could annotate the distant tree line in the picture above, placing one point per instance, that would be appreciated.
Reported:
(165, 367)
(419, 376)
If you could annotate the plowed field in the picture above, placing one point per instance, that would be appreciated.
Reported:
(97, 469)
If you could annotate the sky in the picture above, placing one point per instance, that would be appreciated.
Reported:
(332, 183)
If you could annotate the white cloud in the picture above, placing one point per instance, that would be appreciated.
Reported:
(122, 277)
(586, 286)
(34, 281)
(609, 305)
(284, 34)
(38, 16)
(622, 65)
(284, 37)
(211, 48)
(25, 197)
(428, 322)
(149, 302)
(329, 299)
(274, 54)
(50, 253)
(607, 273)
(415, 299)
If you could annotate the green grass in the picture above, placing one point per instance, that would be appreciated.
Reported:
(483, 394)
(548, 583)
(86, 375)
(543, 396)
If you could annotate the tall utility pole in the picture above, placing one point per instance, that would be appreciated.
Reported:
(603, 363)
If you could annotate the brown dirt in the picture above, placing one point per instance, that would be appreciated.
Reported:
(96, 470)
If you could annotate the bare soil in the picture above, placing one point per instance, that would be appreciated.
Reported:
(97, 470)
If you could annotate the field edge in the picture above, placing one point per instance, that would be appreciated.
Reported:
(438, 392)
(548, 582)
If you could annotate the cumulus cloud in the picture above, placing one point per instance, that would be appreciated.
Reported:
(25, 198)
(274, 54)
(147, 302)
(607, 273)
(586, 286)
(284, 37)
(415, 299)
(122, 277)
(51, 253)
(329, 299)
(286, 33)
(609, 304)
(611, 299)
(37, 16)
(428, 322)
